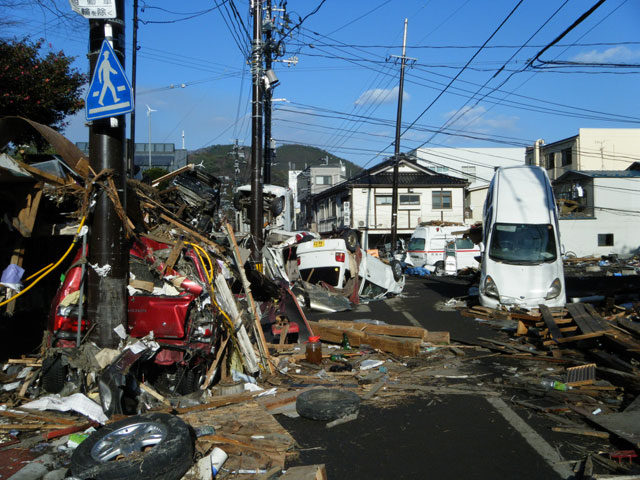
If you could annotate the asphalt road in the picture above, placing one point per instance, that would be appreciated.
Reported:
(432, 436)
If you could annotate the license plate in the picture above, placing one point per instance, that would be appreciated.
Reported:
(318, 243)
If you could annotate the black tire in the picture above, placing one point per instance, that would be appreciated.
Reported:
(54, 374)
(277, 206)
(396, 268)
(327, 404)
(188, 380)
(109, 454)
(439, 268)
(350, 238)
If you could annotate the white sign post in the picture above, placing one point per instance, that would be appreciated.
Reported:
(102, 9)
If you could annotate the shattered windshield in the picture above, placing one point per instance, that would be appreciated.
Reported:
(523, 243)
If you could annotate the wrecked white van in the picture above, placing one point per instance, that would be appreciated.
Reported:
(521, 263)
(335, 262)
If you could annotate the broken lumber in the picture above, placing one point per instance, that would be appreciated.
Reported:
(391, 330)
(408, 347)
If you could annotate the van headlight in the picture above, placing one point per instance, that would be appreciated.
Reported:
(490, 287)
(554, 290)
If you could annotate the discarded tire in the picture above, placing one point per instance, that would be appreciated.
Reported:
(145, 447)
(327, 404)
(54, 374)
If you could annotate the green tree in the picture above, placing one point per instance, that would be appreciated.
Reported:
(41, 87)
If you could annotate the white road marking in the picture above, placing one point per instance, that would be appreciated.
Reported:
(538, 443)
(412, 319)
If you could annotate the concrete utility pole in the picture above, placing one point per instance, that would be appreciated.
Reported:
(107, 293)
(256, 137)
(396, 153)
(268, 95)
(134, 66)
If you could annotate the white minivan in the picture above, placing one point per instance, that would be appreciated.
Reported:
(521, 262)
(427, 247)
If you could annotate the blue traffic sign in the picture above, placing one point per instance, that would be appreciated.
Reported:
(109, 93)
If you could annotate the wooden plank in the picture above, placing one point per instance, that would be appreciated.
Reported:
(310, 472)
(216, 248)
(580, 317)
(554, 331)
(442, 338)
(391, 330)
(629, 325)
(173, 256)
(409, 347)
(575, 338)
(141, 285)
(581, 431)
(597, 321)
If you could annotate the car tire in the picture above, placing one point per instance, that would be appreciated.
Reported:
(350, 238)
(326, 404)
(439, 268)
(396, 268)
(119, 450)
(54, 374)
(277, 206)
(188, 380)
(302, 297)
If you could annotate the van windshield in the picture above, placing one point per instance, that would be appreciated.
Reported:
(416, 243)
(523, 244)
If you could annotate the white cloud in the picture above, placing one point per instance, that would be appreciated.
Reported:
(475, 119)
(380, 96)
(618, 54)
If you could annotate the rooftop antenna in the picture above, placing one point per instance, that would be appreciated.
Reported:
(149, 110)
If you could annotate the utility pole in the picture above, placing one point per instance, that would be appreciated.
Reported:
(268, 94)
(256, 137)
(134, 65)
(396, 153)
(107, 293)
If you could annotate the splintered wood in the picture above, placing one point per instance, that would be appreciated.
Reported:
(249, 434)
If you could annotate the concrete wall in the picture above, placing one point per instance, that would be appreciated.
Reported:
(476, 199)
(617, 212)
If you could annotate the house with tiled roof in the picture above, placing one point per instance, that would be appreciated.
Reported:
(363, 202)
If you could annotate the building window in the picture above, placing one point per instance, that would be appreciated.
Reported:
(469, 173)
(383, 199)
(441, 200)
(605, 239)
(550, 160)
(323, 179)
(410, 199)
(566, 157)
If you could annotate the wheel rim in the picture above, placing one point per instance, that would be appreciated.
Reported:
(128, 440)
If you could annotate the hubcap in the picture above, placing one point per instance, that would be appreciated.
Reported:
(129, 440)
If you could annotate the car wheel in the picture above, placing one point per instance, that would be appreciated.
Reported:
(327, 404)
(144, 447)
(350, 238)
(54, 374)
(301, 296)
(396, 268)
(188, 380)
(439, 268)
(277, 206)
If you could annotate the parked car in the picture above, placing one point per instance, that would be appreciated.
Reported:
(183, 323)
(336, 261)
(522, 260)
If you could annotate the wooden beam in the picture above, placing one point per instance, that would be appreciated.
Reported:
(408, 347)
(554, 332)
(391, 330)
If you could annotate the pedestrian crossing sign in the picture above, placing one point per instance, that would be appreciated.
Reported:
(109, 93)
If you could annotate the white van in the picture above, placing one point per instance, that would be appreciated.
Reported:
(427, 247)
(521, 262)
(277, 208)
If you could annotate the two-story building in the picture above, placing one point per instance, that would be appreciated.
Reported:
(592, 149)
(364, 201)
(313, 180)
(476, 165)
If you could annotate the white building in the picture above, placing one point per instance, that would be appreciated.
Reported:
(473, 164)
(364, 201)
(591, 149)
(599, 211)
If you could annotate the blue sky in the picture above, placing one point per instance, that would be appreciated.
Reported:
(341, 94)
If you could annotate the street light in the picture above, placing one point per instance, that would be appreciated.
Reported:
(149, 110)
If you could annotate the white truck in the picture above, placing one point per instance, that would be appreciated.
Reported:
(427, 247)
